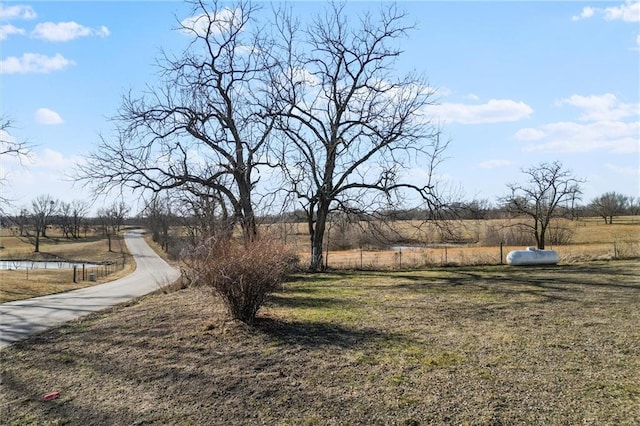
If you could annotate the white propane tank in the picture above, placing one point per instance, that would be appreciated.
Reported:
(532, 256)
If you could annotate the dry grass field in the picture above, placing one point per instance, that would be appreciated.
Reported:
(591, 240)
(479, 343)
(471, 345)
(419, 244)
(21, 284)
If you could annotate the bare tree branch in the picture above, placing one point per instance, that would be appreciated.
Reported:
(549, 192)
(203, 127)
(10, 147)
(352, 126)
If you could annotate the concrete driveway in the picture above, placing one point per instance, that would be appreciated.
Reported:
(22, 318)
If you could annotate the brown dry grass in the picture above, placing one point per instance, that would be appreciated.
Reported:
(592, 240)
(586, 231)
(23, 284)
(468, 345)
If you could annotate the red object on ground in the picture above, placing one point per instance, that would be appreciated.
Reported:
(50, 396)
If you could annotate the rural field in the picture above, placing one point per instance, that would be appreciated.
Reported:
(469, 242)
(452, 338)
(406, 245)
(464, 345)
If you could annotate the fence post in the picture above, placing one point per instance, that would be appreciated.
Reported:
(501, 244)
(75, 270)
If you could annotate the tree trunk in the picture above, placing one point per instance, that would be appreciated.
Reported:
(247, 216)
(317, 237)
(541, 241)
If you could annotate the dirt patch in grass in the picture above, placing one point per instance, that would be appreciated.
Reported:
(468, 345)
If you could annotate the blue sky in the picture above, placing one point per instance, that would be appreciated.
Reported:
(518, 83)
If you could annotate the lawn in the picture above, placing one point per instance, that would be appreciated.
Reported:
(459, 345)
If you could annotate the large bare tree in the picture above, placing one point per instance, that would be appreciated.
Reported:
(349, 126)
(549, 192)
(42, 209)
(610, 204)
(201, 129)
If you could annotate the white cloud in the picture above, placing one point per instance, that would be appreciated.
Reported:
(46, 172)
(473, 97)
(8, 29)
(587, 12)
(606, 124)
(52, 160)
(601, 107)
(222, 21)
(629, 11)
(494, 111)
(303, 76)
(48, 117)
(6, 136)
(529, 134)
(17, 12)
(34, 63)
(66, 31)
(621, 170)
(7, 140)
(492, 164)
(611, 136)
(440, 91)
(47, 161)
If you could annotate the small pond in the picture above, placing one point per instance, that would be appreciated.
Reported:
(8, 265)
(408, 248)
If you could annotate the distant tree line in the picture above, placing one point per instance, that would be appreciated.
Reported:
(198, 217)
(70, 218)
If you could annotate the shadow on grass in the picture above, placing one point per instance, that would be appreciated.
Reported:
(321, 301)
(560, 278)
(317, 334)
(163, 367)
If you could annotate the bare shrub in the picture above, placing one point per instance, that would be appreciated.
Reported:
(626, 249)
(347, 235)
(241, 274)
(428, 258)
(512, 235)
(559, 235)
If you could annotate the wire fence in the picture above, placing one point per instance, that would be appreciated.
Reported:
(422, 257)
(82, 272)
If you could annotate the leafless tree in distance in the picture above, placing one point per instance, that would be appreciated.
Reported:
(42, 209)
(349, 127)
(549, 189)
(610, 204)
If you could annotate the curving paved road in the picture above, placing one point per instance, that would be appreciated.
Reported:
(22, 318)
